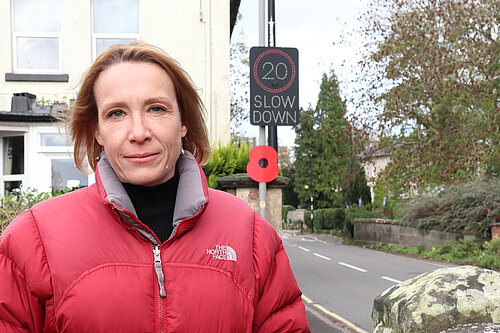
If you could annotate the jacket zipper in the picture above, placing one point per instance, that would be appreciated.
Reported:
(158, 270)
(161, 278)
(158, 265)
(159, 273)
(157, 261)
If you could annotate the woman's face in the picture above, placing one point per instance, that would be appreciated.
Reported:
(139, 122)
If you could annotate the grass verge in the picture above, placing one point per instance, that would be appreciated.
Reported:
(463, 252)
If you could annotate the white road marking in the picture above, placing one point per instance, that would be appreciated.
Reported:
(339, 318)
(307, 240)
(391, 279)
(303, 248)
(333, 315)
(321, 256)
(307, 299)
(385, 291)
(353, 267)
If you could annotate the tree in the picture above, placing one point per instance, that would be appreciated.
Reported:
(239, 82)
(433, 69)
(286, 165)
(326, 134)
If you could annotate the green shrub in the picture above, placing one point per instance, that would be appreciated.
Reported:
(493, 247)
(464, 252)
(470, 207)
(285, 209)
(391, 209)
(9, 209)
(356, 212)
(326, 218)
(226, 160)
(464, 249)
(17, 203)
(444, 249)
(339, 218)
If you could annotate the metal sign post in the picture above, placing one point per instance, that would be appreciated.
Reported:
(262, 128)
(274, 87)
(272, 131)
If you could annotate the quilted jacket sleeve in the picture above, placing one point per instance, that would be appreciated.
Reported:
(23, 277)
(278, 302)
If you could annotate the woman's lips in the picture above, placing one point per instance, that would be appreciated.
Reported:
(142, 157)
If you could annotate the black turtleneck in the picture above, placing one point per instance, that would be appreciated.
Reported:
(155, 205)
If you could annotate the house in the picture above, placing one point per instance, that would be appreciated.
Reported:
(374, 160)
(48, 44)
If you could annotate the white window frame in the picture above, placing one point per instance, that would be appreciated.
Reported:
(43, 156)
(68, 149)
(33, 34)
(97, 35)
(47, 160)
(6, 178)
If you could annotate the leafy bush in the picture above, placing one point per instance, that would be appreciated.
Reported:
(326, 218)
(469, 252)
(464, 252)
(226, 160)
(493, 247)
(339, 218)
(356, 212)
(464, 249)
(391, 209)
(9, 209)
(284, 211)
(21, 200)
(491, 255)
(470, 207)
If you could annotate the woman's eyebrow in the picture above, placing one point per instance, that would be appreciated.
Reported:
(166, 100)
(151, 100)
(110, 105)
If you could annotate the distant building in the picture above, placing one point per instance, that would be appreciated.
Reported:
(374, 160)
(48, 44)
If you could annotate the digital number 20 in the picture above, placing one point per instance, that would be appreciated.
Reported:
(273, 71)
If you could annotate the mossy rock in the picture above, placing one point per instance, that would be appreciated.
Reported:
(439, 300)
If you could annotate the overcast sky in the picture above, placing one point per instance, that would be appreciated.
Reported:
(314, 27)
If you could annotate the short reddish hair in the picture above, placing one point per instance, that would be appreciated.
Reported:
(83, 116)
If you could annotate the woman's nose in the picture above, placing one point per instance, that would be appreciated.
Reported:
(139, 130)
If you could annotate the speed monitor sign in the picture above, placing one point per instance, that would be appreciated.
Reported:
(274, 86)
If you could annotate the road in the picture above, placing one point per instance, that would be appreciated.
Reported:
(341, 281)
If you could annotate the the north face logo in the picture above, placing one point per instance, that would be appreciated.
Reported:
(222, 252)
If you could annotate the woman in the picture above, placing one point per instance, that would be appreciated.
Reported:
(148, 247)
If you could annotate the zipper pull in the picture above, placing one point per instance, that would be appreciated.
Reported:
(159, 271)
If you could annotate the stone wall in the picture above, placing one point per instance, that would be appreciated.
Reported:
(387, 231)
(246, 189)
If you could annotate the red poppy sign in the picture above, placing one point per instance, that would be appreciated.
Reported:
(263, 165)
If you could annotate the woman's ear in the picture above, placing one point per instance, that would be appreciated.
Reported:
(183, 131)
(98, 137)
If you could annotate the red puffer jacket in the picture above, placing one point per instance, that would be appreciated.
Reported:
(83, 262)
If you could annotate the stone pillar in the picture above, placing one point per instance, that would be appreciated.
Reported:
(242, 186)
(495, 230)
